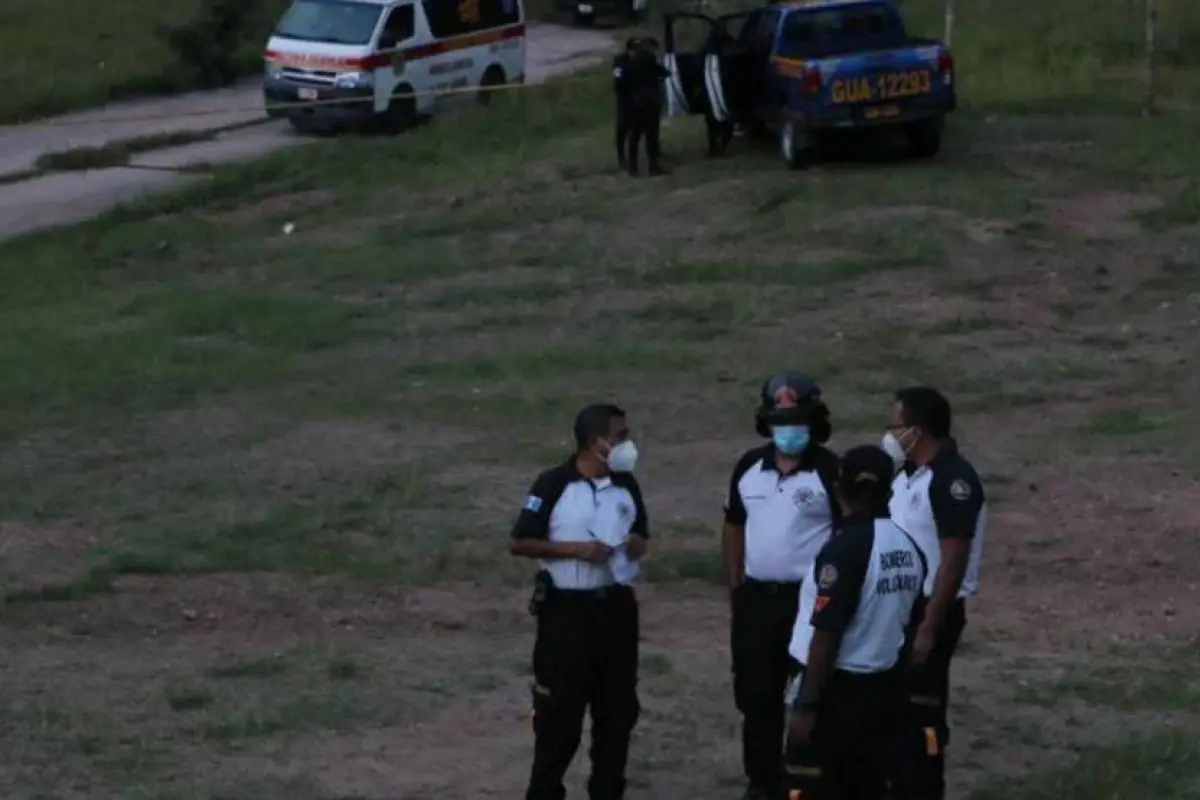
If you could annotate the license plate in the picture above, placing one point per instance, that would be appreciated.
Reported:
(584, 8)
(888, 86)
(307, 94)
(881, 112)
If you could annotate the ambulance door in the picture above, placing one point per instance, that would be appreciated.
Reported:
(393, 83)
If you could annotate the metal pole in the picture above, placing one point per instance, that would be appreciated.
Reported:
(1148, 88)
(949, 32)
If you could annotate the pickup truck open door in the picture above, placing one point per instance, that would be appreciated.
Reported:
(719, 75)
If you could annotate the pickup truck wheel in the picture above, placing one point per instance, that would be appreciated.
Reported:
(793, 145)
(925, 137)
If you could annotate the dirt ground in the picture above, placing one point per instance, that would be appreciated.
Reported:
(1063, 324)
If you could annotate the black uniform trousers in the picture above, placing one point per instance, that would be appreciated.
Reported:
(764, 615)
(644, 123)
(924, 732)
(850, 751)
(720, 134)
(622, 131)
(585, 655)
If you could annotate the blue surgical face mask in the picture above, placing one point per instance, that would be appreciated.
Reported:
(790, 439)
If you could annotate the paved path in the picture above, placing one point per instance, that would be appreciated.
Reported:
(68, 197)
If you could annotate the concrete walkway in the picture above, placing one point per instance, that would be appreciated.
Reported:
(67, 197)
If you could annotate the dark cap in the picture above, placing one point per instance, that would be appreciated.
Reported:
(864, 466)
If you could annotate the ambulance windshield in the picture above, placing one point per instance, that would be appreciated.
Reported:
(330, 21)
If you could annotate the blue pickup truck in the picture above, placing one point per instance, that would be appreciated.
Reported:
(812, 67)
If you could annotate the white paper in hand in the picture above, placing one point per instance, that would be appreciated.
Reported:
(624, 569)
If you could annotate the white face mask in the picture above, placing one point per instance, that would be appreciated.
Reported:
(891, 445)
(623, 457)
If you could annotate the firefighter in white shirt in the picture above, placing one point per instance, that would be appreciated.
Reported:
(855, 609)
(938, 499)
(779, 512)
(585, 520)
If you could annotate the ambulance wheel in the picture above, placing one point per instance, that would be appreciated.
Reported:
(493, 77)
(925, 137)
(305, 127)
(400, 115)
(793, 145)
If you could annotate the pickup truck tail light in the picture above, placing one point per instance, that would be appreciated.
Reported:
(810, 80)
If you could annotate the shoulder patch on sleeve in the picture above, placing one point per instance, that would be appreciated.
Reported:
(960, 490)
(532, 503)
(828, 576)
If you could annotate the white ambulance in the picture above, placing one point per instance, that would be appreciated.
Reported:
(334, 64)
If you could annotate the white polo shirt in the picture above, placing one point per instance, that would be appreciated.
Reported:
(787, 517)
(942, 500)
(863, 585)
(564, 506)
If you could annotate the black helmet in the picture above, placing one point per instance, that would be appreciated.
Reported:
(803, 406)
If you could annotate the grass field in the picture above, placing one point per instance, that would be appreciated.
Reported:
(256, 486)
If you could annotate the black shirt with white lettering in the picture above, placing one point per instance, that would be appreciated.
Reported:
(863, 587)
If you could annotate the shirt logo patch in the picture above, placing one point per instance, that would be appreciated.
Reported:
(804, 497)
(624, 511)
(914, 500)
(821, 602)
(828, 576)
(960, 490)
(532, 503)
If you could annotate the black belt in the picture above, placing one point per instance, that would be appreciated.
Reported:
(597, 593)
(773, 587)
(845, 675)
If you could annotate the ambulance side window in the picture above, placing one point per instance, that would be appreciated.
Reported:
(458, 17)
(401, 25)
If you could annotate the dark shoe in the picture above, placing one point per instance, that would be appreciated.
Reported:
(656, 171)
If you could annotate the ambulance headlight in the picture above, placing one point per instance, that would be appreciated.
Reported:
(353, 80)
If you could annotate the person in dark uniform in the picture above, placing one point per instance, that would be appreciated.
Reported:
(621, 88)
(779, 511)
(938, 499)
(719, 133)
(856, 607)
(646, 75)
(585, 521)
